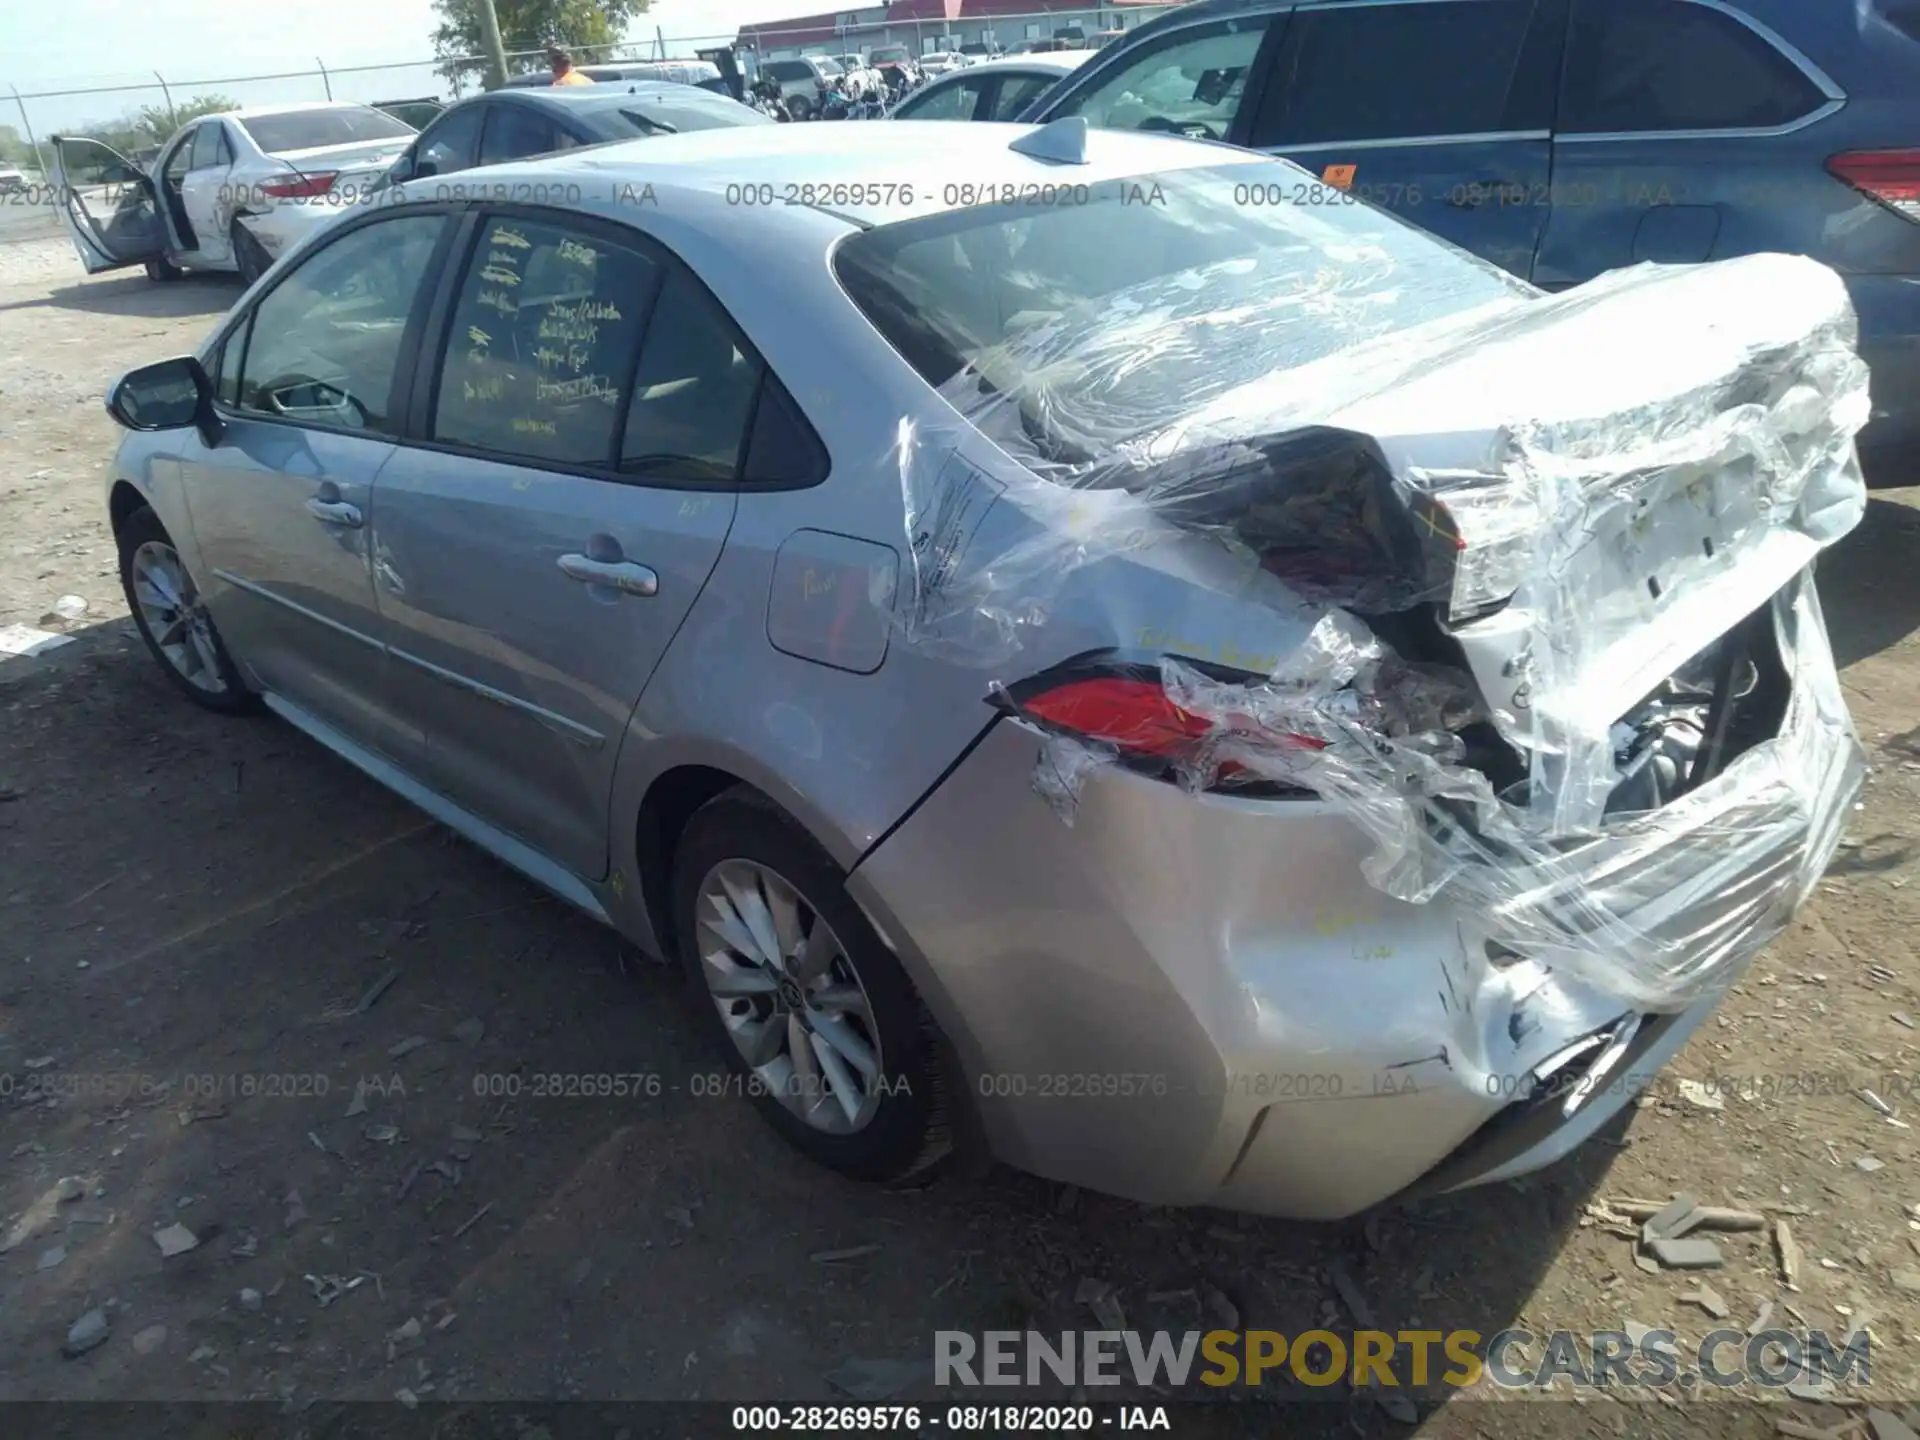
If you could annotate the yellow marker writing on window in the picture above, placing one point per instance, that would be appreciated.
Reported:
(1339, 176)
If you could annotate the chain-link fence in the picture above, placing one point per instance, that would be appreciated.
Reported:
(135, 113)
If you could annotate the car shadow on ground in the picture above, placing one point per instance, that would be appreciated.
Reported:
(1870, 582)
(135, 294)
(213, 898)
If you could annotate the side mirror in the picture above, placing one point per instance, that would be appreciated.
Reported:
(170, 395)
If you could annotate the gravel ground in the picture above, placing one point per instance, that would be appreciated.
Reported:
(187, 902)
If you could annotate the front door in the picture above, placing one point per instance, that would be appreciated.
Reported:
(536, 555)
(108, 205)
(282, 505)
(1439, 110)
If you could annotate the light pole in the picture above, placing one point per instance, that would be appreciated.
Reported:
(496, 54)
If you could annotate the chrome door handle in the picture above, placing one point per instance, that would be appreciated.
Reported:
(334, 512)
(622, 575)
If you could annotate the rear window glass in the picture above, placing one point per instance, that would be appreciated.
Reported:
(1106, 321)
(666, 117)
(1638, 65)
(312, 129)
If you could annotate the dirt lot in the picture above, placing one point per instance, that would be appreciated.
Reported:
(193, 910)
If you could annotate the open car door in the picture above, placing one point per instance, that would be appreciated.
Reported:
(108, 205)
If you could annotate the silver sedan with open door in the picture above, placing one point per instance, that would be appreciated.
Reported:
(233, 191)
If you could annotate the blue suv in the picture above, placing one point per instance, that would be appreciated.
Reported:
(1562, 138)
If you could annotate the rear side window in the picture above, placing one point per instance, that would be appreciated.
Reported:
(210, 147)
(1017, 92)
(693, 394)
(1190, 81)
(1379, 72)
(539, 359)
(450, 144)
(957, 101)
(1640, 65)
(787, 70)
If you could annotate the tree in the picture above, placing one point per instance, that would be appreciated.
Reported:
(159, 121)
(580, 25)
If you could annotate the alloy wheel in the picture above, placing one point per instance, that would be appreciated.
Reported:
(171, 610)
(789, 997)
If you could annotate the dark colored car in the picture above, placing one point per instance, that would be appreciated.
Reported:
(1563, 138)
(507, 125)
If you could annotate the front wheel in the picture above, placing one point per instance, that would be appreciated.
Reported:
(173, 620)
(818, 1022)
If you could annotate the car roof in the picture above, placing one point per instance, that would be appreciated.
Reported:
(1059, 61)
(862, 173)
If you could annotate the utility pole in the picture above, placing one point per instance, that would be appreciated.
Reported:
(496, 54)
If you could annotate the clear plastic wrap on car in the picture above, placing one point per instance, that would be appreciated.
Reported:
(1583, 483)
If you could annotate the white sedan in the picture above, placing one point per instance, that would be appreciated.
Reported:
(232, 191)
(1001, 89)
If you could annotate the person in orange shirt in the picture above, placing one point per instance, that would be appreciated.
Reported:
(561, 63)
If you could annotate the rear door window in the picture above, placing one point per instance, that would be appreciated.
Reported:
(693, 394)
(514, 132)
(209, 146)
(541, 355)
(1650, 65)
(1409, 71)
(1189, 81)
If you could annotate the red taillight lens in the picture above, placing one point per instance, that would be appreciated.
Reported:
(1135, 715)
(301, 187)
(1127, 707)
(1890, 176)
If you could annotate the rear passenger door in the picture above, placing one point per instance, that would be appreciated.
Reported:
(1685, 133)
(577, 450)
(1439, 110)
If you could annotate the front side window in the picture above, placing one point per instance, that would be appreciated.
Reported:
(1638, 65)
(1375, 72)
(956, 101)
(326, 340)
(540, 353)
(1189, 82)
(450, 144)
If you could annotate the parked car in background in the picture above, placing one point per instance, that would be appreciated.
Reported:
(596, 530)
(228, 192)
(896, 64)
(803, 81)
(1563, 138)
(503, 125)
(1105, 38)
(417, 113)
(979, 50)
(13, 180)
(941, 62)
(1001, 89)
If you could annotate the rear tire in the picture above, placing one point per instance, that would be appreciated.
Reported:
(890, 1123)
(250, 257)
(161, 269)
(172, 619)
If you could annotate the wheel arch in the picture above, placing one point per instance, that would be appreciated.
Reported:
(122, 501)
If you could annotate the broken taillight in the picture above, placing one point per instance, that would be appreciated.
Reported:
(301, 187)
(1890, 176)
(1104, 699)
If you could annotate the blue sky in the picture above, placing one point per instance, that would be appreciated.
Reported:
(82, 43)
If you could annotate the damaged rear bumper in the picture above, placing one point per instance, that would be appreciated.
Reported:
(1195, 999)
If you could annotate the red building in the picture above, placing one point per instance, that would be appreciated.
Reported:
(919, 24)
